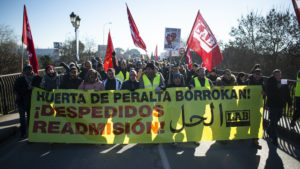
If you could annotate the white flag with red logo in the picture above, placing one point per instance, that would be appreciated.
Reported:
(204, 43)
(296, 4)
(137, 40)
(188, 58)
(27, 40)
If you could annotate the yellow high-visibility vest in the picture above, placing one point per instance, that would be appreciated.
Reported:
(120, 76)
(147, 82)
(297, 89)
(198, 84)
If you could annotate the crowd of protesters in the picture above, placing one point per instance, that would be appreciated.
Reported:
(157, 76)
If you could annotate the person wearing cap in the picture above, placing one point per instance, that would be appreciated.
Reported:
(200, 80)
(278, 95)
(92, 82)
(131, 84)
(241, 79)
(51, 80)
(121, 71)
(71, 80)
(111, 83)
(23, 88)
(296, 115)
(256, 78)
(152, 79)
(227, 79)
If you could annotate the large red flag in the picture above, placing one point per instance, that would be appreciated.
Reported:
(203, 42)
(27, 40)
(296, 4)
(155, 54)
(108, 63)
(137, 40)
(188, 58)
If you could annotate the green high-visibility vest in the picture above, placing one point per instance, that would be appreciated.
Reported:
(120, 76)
(148, 84)
(198, 84)
(297, 89)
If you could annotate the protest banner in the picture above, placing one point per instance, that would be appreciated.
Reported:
(143, 116)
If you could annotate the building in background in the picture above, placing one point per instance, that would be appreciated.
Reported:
(52, 52)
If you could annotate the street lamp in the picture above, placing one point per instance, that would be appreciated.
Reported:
(104, 30)
(75, 20)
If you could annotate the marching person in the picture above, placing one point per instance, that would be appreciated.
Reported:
(278, 95)
(71, 80)
(91, 82)
(23, 89)
(151, 79)
(200, 80)
(111, 83)
(51, 80)
(131, 84)
(121, 71)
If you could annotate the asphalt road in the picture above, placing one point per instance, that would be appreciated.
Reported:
(15, 153)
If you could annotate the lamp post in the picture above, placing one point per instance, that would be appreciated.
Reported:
(75, 20)
(104, 30)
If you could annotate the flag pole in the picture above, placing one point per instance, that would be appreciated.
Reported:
(22, 59)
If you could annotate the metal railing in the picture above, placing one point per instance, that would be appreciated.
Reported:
(7, 95)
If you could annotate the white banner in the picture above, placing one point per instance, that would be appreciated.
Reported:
(172, 39)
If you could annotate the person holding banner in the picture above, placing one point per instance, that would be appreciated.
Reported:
(200, 80)
(22, 89)
(227, 79)
(278, 95)
(85, 69)
(132, 84)
(71, 80)
(111, 83)
(91, 82)
(51, 80)
(152, 79)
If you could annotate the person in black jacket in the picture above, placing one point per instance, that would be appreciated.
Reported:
(71, 80)
(131, 84)
(278, 95)
(23, 89)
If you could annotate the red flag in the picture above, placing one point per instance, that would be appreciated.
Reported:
(27, 40)
(137, 40)
(188, 58)
(155, 54)
(296, 4)
(203, 42)
(108, 63)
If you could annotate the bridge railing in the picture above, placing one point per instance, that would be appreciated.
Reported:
(7, 95)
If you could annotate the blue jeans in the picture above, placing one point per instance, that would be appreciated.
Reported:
(275, 115)
(23, 112)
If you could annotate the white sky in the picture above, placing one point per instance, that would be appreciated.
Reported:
(50, 22)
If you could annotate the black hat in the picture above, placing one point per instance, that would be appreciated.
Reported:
(150, 65)
(27, 67)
